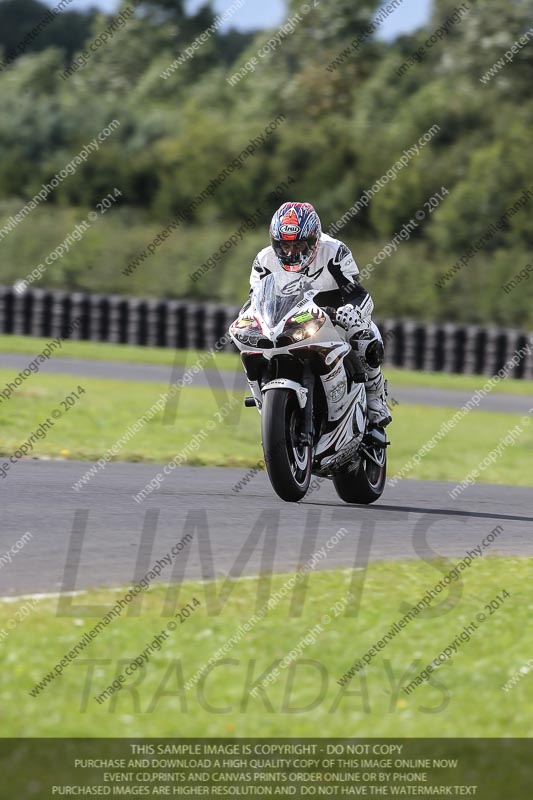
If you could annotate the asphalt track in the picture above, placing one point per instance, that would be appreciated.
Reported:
(509, 403)
(101, 537)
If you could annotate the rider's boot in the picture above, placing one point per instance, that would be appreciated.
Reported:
(376, 398)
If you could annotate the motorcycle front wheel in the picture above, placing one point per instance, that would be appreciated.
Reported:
(287, 462)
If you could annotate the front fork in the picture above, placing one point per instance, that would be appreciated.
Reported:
(305, 437)
(307, 432)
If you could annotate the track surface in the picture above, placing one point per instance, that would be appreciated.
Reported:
(510, 403)
(413, 518)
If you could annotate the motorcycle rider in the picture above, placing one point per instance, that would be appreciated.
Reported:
(299, 245)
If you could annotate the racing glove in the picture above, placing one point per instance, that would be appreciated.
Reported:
(350, 316)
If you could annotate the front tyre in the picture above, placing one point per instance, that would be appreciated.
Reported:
(288, 463)
(366, 484)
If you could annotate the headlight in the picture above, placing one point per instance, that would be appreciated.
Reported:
(244, 327)
(248, 335)
(248, 332)
(297, 333)
(313, 327)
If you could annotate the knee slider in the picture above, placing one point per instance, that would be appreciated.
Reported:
(369, 349)
(360, 342)
(375, 354)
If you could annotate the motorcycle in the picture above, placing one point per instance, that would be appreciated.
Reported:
(308, 385)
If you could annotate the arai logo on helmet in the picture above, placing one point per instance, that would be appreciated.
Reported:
(290, 224)
(290, 229)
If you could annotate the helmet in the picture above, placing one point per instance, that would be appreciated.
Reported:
(295, 233)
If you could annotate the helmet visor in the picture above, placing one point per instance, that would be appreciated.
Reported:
(292, 253)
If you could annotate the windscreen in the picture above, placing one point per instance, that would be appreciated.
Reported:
(277, 294)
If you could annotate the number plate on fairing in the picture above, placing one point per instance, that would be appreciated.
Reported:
(335, 388)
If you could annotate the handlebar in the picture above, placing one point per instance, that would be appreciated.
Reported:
(331, 312)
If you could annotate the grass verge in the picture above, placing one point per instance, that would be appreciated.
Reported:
(464, 698)
(31, 346)
(102, 415)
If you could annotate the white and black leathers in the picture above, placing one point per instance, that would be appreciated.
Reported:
(335, 273)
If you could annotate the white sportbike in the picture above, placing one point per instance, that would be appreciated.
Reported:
(308, 385)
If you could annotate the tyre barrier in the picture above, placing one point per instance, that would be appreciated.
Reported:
(182, 324)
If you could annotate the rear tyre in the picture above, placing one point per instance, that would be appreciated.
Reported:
(366, 484)
(288, 464)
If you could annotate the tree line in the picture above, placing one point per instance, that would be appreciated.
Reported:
(350, 111)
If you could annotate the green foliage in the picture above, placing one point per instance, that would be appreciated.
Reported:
(19, 18)
(344, 129)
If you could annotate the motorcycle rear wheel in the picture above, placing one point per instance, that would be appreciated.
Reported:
(366, 484)
(288, 464)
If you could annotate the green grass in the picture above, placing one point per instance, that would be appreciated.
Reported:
(461, 450)
(104, 413)
(95, 351)
(459, 383)
(465, 699)
(31, 346)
